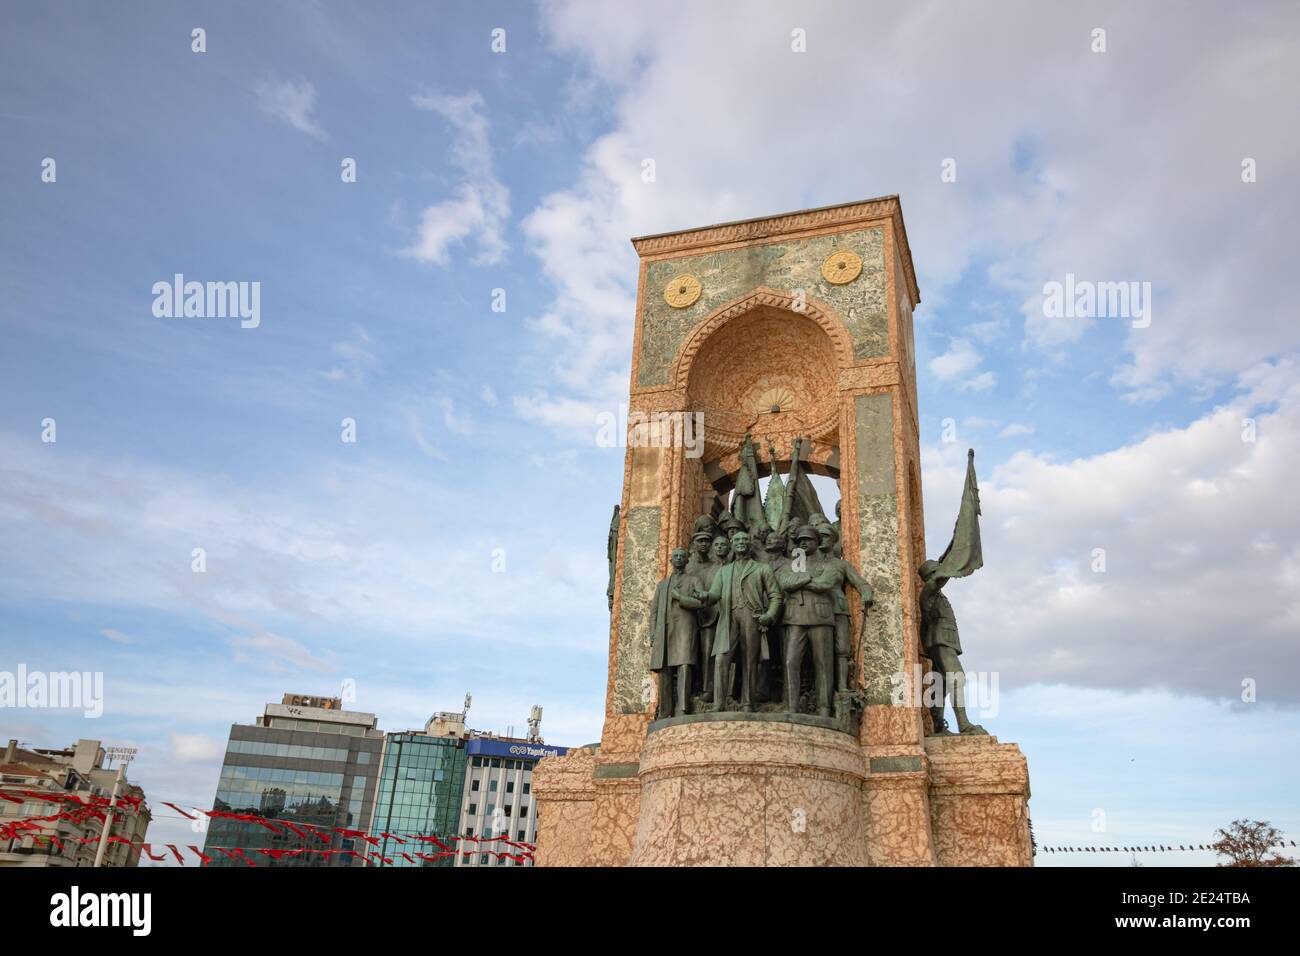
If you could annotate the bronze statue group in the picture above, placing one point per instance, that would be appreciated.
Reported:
(763, 589)
(739, 614)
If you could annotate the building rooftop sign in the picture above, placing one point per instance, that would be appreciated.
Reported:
(507, 748)
(306, 700)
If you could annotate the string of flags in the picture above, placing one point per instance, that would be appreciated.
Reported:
(99, 808)
(1155, 848)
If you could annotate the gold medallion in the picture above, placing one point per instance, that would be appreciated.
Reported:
(683, 291)
(841, 267)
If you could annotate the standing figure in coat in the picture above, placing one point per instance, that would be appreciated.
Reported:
(673, 633)
(707, 616)
(749, 601)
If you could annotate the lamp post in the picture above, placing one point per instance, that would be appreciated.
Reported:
(125, 755)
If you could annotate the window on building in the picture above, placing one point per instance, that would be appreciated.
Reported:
(473, 785)
(483, 858)
(523, 809)
(473, 809)
(510, 786)
(528, 787)
(507, 809)
(521, 834)
(492, 786)
(469, 831)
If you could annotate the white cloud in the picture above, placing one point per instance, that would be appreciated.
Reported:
(1039, 192)
(356, 358)
(481, 203)
(534, 133)
(988, 331)
(579, 420)
(291, 102)
(488, 395)
(1015, 430)
(1201, 587)
(356, 548)
(192, 748)
(275, 651)
(980, 383)
(960, 358)
(117, 636)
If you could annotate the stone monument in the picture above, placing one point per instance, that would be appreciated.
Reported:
(755, 714)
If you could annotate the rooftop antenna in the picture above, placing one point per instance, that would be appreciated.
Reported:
(535, 724)
(468, 698)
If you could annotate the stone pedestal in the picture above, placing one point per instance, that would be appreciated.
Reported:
(566, 788)
(979, 793)
(744, 790)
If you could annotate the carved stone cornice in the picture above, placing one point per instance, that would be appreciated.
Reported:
(769, 227)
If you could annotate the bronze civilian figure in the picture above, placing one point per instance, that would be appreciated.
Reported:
(673, 635)
(748, 600)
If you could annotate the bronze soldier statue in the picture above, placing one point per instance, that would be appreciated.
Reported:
(839, 533)
(748, 600)
(963, 556)
(700, 543)
(809, 619)
(844, 649)
(943, 646)
(747, 501)
(707, 615)
(611, 548)
(673, 634)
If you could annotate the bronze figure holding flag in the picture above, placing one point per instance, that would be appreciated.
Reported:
(939, 638)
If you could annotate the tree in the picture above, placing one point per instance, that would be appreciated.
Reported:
(1251, 843)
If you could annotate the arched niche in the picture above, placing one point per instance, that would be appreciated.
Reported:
(767, 364)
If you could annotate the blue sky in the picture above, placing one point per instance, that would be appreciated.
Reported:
(477, 171)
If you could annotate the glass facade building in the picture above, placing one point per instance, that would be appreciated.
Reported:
(301, 765)
(421, 785)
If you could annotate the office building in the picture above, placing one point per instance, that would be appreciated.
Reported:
(420, 792)
(306, 762)
(449, 781)
(498, 798)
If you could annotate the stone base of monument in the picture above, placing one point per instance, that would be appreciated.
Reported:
(750, 790)
(979, 810)
(736, 789)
